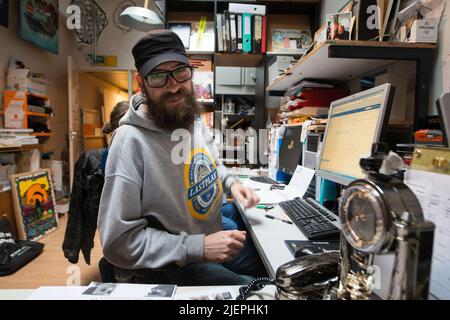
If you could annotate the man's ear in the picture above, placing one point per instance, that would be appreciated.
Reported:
(139, 80)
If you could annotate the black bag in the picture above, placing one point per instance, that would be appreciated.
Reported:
(14, 255)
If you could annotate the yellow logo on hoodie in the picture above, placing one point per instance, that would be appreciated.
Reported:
(203, 184)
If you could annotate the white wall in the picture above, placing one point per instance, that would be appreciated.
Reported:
(436, 86)
(112, 41)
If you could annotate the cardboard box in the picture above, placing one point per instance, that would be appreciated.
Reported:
(20, 79)
(421, 31)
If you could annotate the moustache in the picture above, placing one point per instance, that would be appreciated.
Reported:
(181, 93)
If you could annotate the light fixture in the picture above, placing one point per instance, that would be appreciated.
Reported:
(140, 18)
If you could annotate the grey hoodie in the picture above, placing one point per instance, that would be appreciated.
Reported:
(142, 180)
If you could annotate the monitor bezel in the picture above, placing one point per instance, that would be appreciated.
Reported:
(443, 107)
(383, 118)
(284, 170)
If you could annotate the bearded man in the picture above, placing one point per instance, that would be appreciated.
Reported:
(159, 216)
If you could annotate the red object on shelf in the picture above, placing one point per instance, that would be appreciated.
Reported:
(317, 97)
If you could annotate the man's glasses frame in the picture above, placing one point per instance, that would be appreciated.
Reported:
(174, 73)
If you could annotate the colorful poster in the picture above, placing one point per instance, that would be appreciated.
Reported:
(39, 23)
(4, 13)
(34, 204)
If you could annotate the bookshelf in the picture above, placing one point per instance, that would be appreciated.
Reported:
(25, 101)
(287, 14)
(342, 60)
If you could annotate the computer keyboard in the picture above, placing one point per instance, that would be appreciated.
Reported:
(263, 179)
(314, 221)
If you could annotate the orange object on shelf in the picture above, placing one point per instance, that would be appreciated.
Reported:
(428, 136)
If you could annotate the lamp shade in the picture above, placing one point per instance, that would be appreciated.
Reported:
(139, 18)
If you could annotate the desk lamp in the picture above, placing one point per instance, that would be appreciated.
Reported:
(140, 18)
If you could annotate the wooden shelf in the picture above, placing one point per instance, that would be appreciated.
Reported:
(21, 148)
(320, 64)
(28, 93)
(49, 134)
(249, 60)
(35, 114)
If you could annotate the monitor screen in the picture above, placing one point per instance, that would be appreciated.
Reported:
(291, 150)
(443, 105)
(354, 124)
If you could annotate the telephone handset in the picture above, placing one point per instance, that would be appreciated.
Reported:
(308, 277)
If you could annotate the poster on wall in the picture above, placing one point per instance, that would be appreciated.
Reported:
(34, 204)
(39, 23)
(4, 13)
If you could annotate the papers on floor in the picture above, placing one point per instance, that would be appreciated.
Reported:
(296, 188)
(106, 291)
(213, 294)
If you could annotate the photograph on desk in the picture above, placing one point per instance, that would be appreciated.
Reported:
(34, 204)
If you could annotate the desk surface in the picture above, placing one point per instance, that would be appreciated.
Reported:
(269, 235)
(268, 293)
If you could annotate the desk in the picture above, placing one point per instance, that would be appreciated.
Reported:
(269, 236)
(268, 293)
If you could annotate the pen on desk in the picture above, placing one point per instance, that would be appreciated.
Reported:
(276, 218)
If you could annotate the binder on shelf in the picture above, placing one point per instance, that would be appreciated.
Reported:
(257, 33)
(219, 33)
(246, 32)
(247, 8)
(264, 35)
(239, 31)
(224, 32)
(227, 31)
(233, 35)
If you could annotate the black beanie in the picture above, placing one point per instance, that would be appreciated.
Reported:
(156, 47)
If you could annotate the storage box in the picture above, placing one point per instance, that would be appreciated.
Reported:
(421, 31)
(19, 79)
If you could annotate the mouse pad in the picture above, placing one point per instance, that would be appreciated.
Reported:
(324, 246)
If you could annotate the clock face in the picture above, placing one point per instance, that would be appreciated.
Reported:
(363, 218)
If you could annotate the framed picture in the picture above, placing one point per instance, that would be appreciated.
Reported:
(291, 40)
(39, 23)
(4, 13)
(34, 204)
(339, 26)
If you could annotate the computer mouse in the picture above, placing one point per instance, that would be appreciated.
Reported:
(306, 251)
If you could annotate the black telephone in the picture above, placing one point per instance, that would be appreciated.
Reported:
(308, 277)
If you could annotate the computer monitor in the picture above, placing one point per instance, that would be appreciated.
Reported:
(291, 150)
(443, 105)
(354, 124)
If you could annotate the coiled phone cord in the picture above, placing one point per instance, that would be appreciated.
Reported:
(256, 285)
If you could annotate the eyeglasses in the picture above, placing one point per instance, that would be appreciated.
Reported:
(159, 79)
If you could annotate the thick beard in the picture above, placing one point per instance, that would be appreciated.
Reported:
(172, 118)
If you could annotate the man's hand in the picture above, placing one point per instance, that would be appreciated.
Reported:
(244, 195)
(222, 246)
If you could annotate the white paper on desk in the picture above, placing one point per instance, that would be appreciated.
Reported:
(59, 293)
(225, 293)
(432, 191)
(296, 188)
(130, 291)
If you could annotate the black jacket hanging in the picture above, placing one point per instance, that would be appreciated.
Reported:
(84, 203)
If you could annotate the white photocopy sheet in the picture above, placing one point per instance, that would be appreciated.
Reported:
(433, 192)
